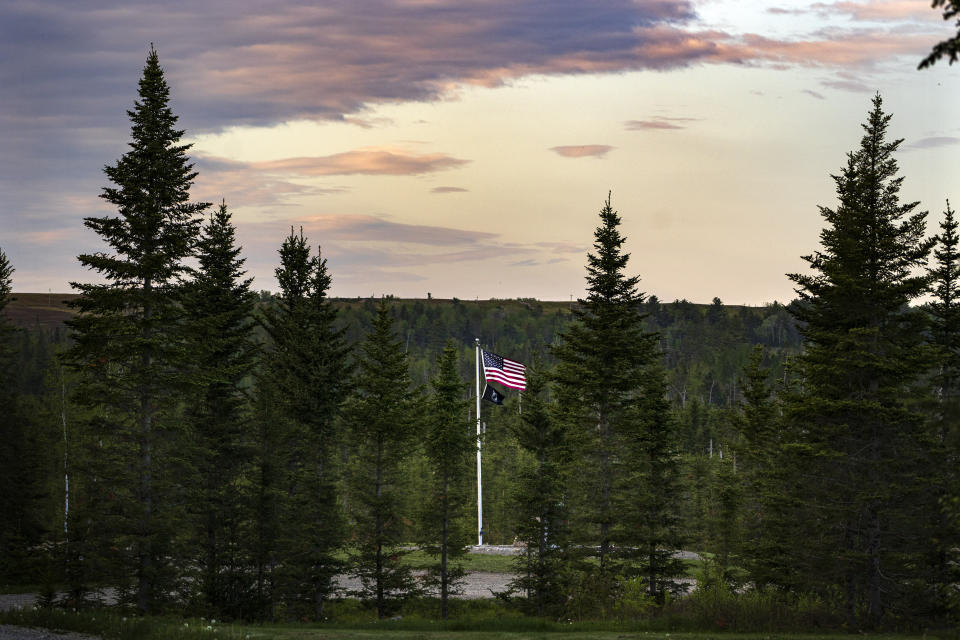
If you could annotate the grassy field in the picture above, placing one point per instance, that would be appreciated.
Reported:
(113, 626)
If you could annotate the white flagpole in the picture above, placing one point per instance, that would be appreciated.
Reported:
(479, 474)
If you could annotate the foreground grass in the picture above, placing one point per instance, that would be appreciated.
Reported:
(112, 625)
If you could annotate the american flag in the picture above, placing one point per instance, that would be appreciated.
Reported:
(506, 372)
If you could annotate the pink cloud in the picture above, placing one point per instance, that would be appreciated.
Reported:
(658, 122)
(880, 10)
(48, 237)
(375, 229)
(244, 185)
(833, 48)
(583, 150)
(369, 162)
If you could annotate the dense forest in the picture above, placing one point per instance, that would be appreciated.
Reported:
(192, 445)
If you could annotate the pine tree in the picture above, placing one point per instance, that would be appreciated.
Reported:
(219, 306)
(448, 443)
(945, 418)
(945, 312)
(539, 499)
(265, 493)
(652, 488)
(128, 335)
(761, 467)
(855, 425)
(12, 494)
(949, 48)
(611, 396)
(309, 365)
(381, 423)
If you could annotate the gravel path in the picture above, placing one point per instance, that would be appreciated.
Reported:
(8, 632)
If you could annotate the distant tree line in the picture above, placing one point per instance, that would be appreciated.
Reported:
(193, 445)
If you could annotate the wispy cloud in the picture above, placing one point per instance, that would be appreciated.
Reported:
(848, 82)
(448, 190)
(362, 161)
(583, 150)
(880, 10)
(48, 237)
(933, 142)
(658, 122)
(375, 229)
(812, 93)
(562, 247)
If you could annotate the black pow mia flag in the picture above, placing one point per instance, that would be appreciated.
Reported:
(491, 394)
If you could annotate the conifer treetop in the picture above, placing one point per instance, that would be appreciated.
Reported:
(157, 224)
(6, 280)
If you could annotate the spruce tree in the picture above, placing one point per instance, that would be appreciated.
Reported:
(449, 444)
(761, 467)
(381, 423)
(611, 395)
(219, 307)
(12, 493)
(945, 312)
(539, 500)
(855, 423)
(945, 413)
(309, 366)
(128, 336)
(649, 497)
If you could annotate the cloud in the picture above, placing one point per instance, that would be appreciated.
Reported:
(811, 92)
(369, 162)
(448, 190)
(848, 85)
(267, 183)
(562, 247)
(244, 185)
(583, 151)
(933, 142)
(879, 10)
(658, 122)
(48, 237)
(375, 229)
(830, 47)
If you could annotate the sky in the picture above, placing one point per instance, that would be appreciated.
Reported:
(465, 147)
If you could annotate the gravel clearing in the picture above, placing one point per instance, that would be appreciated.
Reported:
(8, 632)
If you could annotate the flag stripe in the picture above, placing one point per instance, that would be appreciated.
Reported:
(509, 373)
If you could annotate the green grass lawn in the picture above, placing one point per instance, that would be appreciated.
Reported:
(113, 626)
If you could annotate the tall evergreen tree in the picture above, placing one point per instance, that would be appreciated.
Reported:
(949, 48)
(265, 492)
(129, 331)
(539, 498)
(309, 365)
(762, 465)
(13, 537)
(855, 424)
(945, 419)
(945, 312)
(611, 393)
(381, 423)
(219, 306)
(449, 443)
(651, 493)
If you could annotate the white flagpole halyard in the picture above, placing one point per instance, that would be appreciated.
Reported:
(479, 445)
